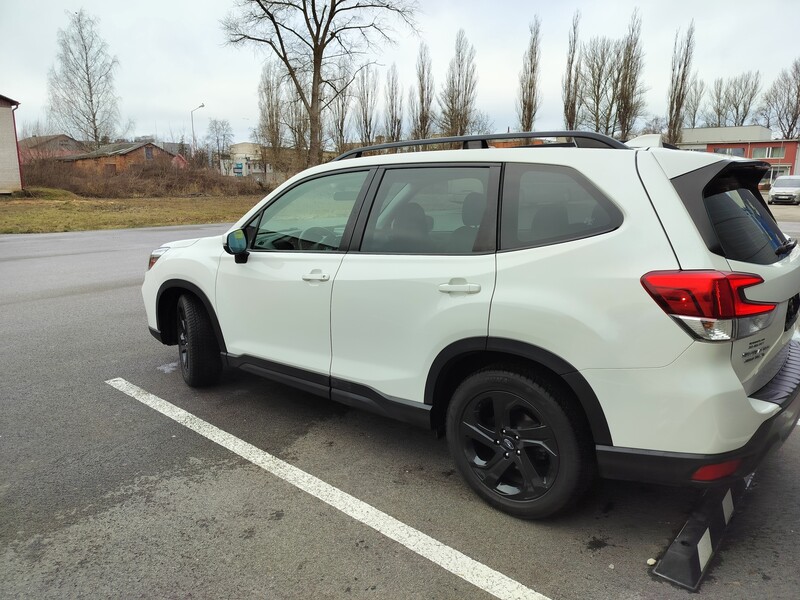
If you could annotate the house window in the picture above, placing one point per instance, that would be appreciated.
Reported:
(730, 151)
(148, 152)
(110, 169)
(769, 152)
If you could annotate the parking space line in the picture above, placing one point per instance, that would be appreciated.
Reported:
(461, 565)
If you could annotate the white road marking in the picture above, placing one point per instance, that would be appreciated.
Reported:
(476, 573)
(168, 368)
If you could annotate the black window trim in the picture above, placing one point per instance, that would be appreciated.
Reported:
(693, 186)
(614, 212)
(492, 204)
(349, 228)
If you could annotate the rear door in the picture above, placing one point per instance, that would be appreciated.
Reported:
(421, 277)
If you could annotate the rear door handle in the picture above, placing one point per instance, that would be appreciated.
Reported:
(460, 288)
(316, 275)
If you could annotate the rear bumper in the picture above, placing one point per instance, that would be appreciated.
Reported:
(677, 468)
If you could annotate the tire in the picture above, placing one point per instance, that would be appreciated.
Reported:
(198, 350)
(532, 461)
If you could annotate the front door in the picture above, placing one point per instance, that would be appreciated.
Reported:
(276, 306)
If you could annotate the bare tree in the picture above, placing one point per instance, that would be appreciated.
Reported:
(219, 137)
(310, 36)
(694, 100)
(297, 124)
(81, 98)
(781, 102)
(36, 128)
(393, 116)
(529, 99)
(741, 92)
(718, 109)
(270, 132)
(340, 108)
(680, 84)
(571, 82)
(655, 124)
(420, 101)
(457, 99)
(600, 79)
(631, 90)
(366, 95)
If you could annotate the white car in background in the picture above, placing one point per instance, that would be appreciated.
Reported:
(785, 190)
(558, 310)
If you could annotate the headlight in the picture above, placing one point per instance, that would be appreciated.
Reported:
(154, 256)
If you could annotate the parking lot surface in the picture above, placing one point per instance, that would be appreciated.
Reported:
(102, 495)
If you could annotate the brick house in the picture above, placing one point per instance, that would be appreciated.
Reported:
(750, 141)
(116, 158)
(40, 147)
(10, 172)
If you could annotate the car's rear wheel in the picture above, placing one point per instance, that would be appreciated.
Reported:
(198, 350)
(521, 444)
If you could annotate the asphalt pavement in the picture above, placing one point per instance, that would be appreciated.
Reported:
(104, 496)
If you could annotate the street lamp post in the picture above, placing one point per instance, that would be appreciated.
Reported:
(194, 139)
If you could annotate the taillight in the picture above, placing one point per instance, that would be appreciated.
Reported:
(710, 304)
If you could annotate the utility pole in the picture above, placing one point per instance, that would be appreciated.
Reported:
(194, 139)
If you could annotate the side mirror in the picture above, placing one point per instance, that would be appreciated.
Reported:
(236, 244)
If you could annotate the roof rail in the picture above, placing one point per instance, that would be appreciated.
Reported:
(580, 139)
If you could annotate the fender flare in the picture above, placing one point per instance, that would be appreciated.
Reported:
(181, 284)
(569, 374)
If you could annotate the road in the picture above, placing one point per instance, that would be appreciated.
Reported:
(102, 496)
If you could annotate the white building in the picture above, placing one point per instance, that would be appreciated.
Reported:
(245, 161)
(10, 175)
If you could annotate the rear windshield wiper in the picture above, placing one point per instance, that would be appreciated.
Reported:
(786, 246)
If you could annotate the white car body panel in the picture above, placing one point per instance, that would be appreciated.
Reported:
(268, 311)
(384, 305)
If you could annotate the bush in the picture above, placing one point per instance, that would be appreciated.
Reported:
(155, 179)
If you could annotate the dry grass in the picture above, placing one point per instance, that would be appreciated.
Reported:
(54, 210)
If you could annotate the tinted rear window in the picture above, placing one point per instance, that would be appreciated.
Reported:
(746, 230)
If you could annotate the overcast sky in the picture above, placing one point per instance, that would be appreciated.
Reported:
(173, 56)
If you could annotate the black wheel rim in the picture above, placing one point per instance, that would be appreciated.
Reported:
(183, 346)
(508, 445)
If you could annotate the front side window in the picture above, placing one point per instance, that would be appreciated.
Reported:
(310, 217)
(432, 210)
(544, 205)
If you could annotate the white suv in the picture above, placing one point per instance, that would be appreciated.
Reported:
(558, 310)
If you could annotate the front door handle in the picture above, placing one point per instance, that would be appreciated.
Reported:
(460, 288)
(316, 275)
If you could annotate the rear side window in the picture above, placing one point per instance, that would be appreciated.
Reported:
(745, 229)
(433, 210)
(545, 204)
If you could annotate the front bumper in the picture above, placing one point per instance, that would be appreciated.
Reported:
(677, 468)
(784, 199)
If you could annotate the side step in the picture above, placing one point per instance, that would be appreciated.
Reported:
(687, 558)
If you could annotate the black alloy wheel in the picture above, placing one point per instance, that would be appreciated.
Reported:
(523, 447)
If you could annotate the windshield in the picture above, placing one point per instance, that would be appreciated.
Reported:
(787, 182)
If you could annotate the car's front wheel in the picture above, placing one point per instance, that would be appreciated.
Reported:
(519, 442)
(198, 350)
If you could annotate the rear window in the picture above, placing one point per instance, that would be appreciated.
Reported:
(545, 204)
(745, 228)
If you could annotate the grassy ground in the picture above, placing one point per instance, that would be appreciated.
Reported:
(56, 210)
